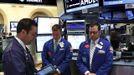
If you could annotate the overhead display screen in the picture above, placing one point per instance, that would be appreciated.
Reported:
(45, 24)
(75, 26)
(75, 5)
(117, 2)
(78, 25)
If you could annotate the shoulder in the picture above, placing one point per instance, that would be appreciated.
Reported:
(49, 42)
(104, 41)
(13, 48)
(65, 41)
(84, 43)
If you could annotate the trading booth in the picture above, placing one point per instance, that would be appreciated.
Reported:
(116, 19)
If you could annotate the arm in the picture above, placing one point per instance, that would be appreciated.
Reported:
(80, 63)
(67, 59)
(44, 55)
(104, 69)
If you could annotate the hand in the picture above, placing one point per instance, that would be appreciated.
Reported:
(91, 74)
(56, 73)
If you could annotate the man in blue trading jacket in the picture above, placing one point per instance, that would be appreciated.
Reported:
(17, 60)
(57, 51)
(95, 54)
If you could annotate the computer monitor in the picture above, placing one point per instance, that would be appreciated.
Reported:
(129, 14)
(116, 2)
(76, 40)
(45, 24)
(13, 26)
(41, 40)
(75, 26)
(128, 1)
(119, 15)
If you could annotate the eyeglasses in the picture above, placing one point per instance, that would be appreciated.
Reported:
(93, 32)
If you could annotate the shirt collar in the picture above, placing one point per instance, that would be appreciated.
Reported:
(55, 40)
(96, 41)
(21, 42)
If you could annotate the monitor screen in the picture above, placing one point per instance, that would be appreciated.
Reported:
(129, 14)
(41, 40)
(106, 16)
(76, 40)
(75, 26)
(117, 15)
(112, 2)
(116, 2)
(127, 1)
(13, 26)
(75, 5)
(45, 24)
(79, 25)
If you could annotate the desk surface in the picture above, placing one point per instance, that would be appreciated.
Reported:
(124, 63)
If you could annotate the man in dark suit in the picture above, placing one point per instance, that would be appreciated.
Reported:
(57, 51)
(17, 60)
(95, 54)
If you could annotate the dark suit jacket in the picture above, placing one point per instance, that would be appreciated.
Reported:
(61, 58)
(102, 58)
(16, 61)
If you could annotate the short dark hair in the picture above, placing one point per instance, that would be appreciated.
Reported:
(56, 27)
(95, 24)
(26, 24)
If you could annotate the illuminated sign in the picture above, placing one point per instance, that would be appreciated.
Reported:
(75, 5)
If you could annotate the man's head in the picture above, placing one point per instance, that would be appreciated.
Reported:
(94, 31)
(26, 30)
(56, 31)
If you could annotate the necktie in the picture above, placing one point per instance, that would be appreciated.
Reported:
(92, 49)
(27, 50)
(30, 61)
(55, 46)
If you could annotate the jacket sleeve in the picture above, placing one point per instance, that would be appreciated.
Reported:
(67, 60)
(104, 69)
(80, 62)
(44, 55)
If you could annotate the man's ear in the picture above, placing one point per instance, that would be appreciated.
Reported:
(23, 31)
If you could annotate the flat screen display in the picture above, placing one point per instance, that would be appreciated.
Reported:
(75, 25)
(41, 40)
(76, 40)
(112, 2)
(75, 5)
(129, 14)
(13, 26)
(127, 1)
(116, 2)
(106, 16)
(45, 25)
(119, 15)
(79, 25)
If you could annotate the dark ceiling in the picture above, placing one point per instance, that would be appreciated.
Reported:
(44, 2)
